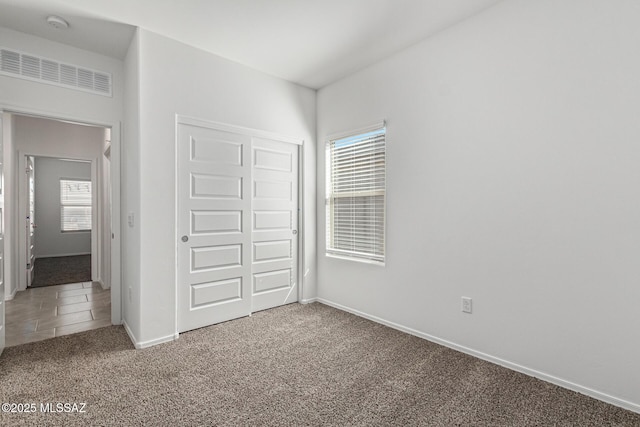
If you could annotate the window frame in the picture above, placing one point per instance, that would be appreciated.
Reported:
(63, 205)
(330, 250)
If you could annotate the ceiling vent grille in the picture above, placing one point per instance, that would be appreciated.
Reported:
(31, 67)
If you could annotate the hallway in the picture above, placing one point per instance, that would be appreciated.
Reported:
(47, 312)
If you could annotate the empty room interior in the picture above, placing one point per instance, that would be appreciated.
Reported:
(355, 212)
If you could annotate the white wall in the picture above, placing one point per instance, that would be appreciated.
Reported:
(131, 197)
(59, 101)
(178, 79)
(50, 241)
(52, 138)
(11, 209)
(35, 98)
(513, 153)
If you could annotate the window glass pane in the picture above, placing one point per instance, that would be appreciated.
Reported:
(75, 218)
(356, 195)
(75, 205)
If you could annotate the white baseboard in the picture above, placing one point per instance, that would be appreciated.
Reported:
(61, 255)
(144, 344)
(102, 285)
(308, 300)
(505, 363)
(151, 343)
(132, 337)
(11, 296)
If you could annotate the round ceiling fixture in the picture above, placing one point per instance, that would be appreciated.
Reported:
(57, 22)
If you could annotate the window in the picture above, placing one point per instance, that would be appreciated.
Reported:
(356, 196)
(75, 205)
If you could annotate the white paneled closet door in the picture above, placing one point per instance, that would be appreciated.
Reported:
(214, 213)
(237, 224)
(274, 223)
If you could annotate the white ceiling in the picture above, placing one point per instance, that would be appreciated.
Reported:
(87, 32)
(310, 42)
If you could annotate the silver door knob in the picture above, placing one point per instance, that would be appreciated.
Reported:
(294, 231)
(185, 239)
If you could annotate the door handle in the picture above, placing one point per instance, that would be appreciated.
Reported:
(294, 231)
(185, 239)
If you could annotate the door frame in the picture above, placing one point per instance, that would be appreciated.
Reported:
(257, 133)
(96, 183)
(115, 164)
(23, 200)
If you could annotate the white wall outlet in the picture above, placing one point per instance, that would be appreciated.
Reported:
(466, 305)
(131, 219)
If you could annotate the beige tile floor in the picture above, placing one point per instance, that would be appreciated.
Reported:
(40, 313)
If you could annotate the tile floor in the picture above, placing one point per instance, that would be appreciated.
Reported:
(40, 313)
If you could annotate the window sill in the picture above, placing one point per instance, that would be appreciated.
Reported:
(354, 259)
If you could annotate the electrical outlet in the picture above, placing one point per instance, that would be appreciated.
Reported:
(466, 305)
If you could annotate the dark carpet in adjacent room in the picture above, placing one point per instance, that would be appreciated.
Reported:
(294, 365)
(61, 270)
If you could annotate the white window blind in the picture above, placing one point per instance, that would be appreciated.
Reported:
(356, 187)
(75, 205)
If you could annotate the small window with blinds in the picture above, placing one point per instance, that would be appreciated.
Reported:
(75, 205)
(356, 175)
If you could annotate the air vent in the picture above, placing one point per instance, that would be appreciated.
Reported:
(31, 67)
(50, 70)
(10, 62)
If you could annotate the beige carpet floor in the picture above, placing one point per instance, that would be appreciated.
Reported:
(295, 365)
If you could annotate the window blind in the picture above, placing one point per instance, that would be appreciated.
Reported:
(356, 196)
(75, 205)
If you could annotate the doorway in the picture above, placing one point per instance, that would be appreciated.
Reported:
(66, 166)
(60, 224)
